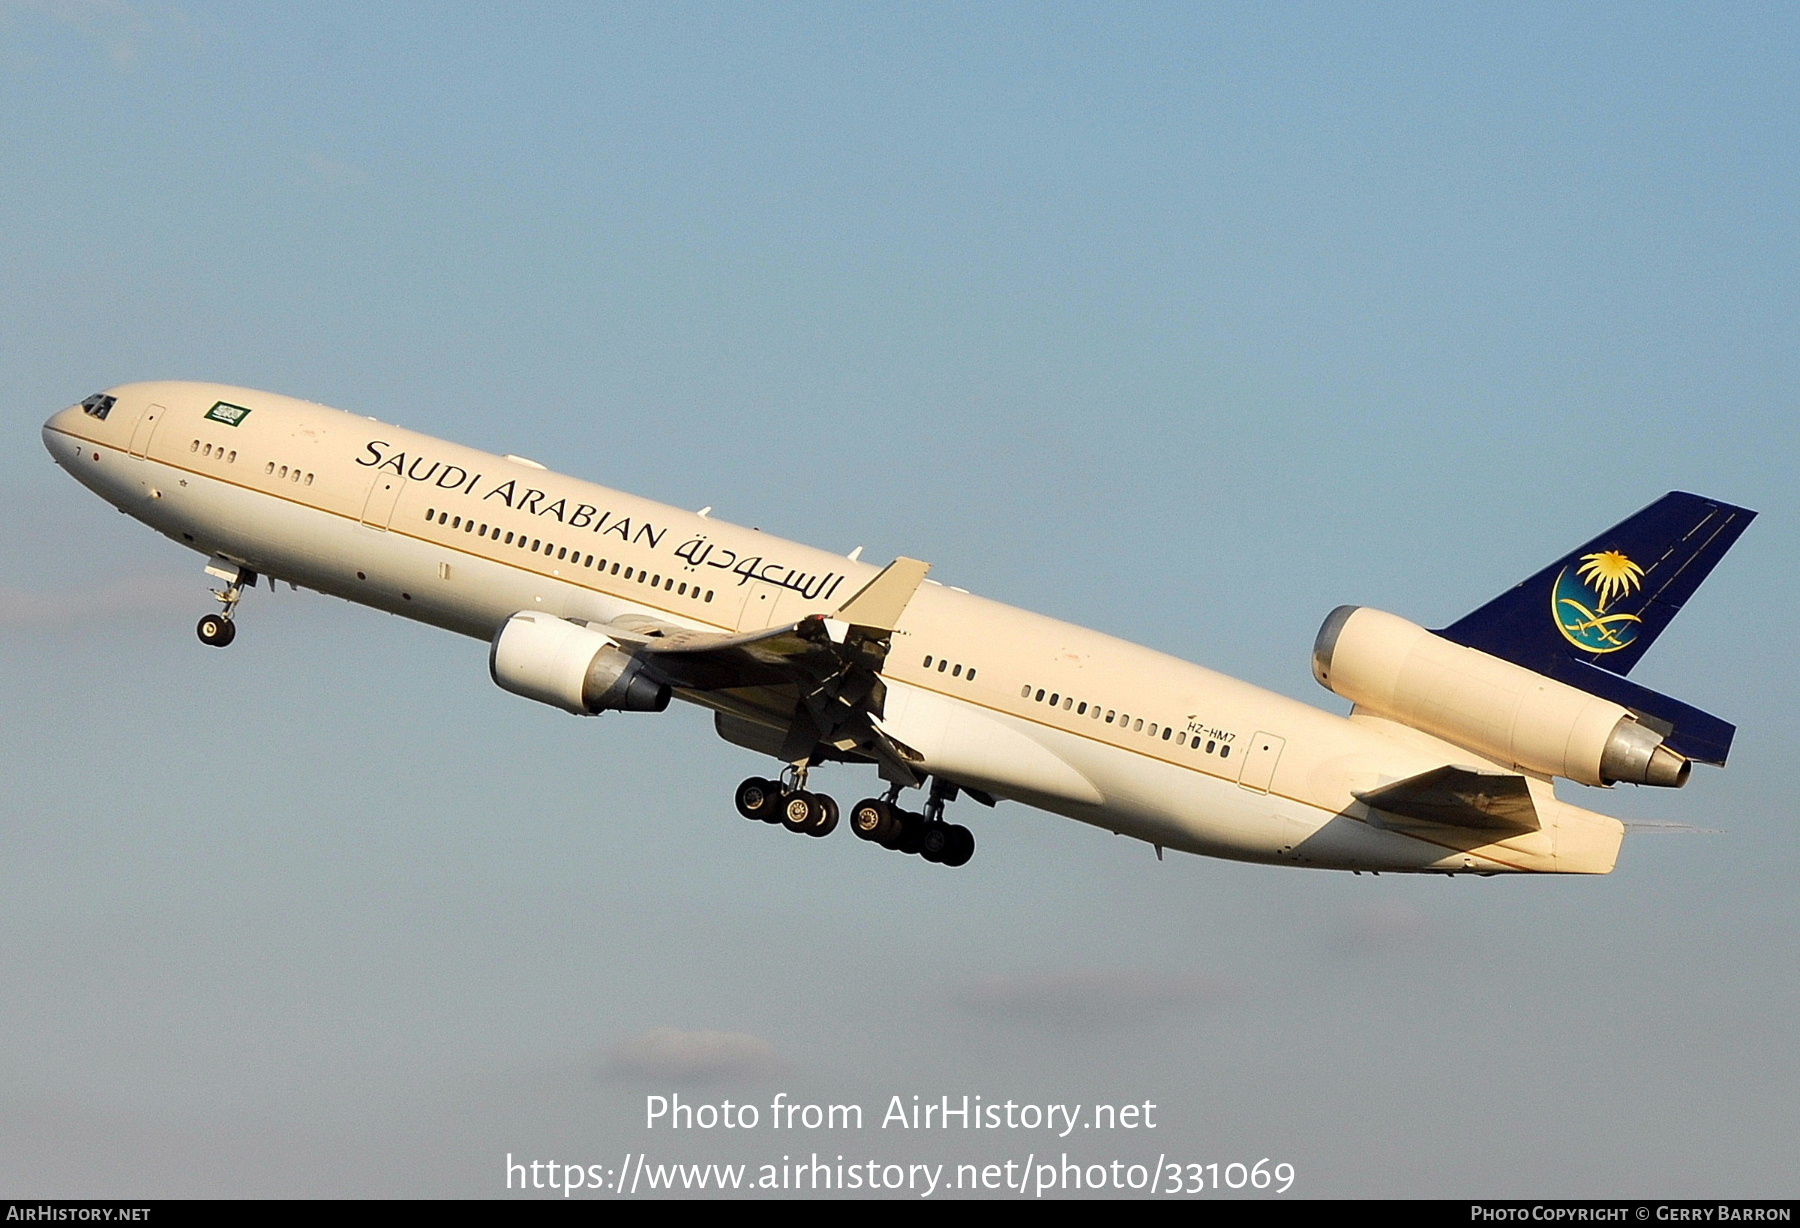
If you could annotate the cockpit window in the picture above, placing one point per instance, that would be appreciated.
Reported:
(99, 405)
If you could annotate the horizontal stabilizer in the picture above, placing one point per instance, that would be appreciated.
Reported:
(1459, 797)
(880, 603)
(1686, 730)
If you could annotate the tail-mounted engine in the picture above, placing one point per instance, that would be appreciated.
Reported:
(571, 667)
(1392, 668)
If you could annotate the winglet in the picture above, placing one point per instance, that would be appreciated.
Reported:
(879, 604)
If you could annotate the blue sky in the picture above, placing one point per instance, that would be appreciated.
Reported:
(1185, 323)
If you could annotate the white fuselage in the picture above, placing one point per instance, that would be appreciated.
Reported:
(995, 698)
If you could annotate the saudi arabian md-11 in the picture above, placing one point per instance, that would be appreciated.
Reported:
(594, 600)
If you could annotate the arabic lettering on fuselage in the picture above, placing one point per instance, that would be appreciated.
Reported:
(697, 553)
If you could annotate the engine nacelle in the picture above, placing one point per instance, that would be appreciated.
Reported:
(1396, 669)
(571, 667)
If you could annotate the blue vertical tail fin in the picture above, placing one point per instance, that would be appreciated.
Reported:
(1590, 616)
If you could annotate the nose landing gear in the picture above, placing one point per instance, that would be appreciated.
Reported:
(217, 630)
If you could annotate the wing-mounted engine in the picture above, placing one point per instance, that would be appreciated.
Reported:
(1392, 668)
(572, 667)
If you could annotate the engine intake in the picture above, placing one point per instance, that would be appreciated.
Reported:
(572, 667)
(1392, 668)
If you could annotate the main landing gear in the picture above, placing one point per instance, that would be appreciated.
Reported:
(217, 630)
(881, 821)
(771, 801)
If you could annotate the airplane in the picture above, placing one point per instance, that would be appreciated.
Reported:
(592, 600)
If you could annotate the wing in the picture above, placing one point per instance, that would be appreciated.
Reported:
(817, 679)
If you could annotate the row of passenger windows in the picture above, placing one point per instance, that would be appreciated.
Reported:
(1113, 717)
(538, 545)
(956, 671)
(210, 450)
(286, 474)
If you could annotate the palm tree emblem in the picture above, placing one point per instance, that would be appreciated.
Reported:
(1610, 575)
(1581, 599)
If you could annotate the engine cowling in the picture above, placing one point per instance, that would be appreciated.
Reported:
(1392, 668)
(571, 667)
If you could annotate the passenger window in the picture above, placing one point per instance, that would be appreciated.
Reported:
(942, 665)
(1167, 730)
(1225, 751)
(1139, 727)
(232, 459)
(970, 676)
(195, 447)
(309, 478)
(1082, 710)
(957, 672)
(563, 553)
(1109, 716)
(1040, 695)
(627, 573)
(1054, 698)
(1026, 693)
(1067, 704)
(709, 594)
(457, 523)
(928, 661)
(682, 591)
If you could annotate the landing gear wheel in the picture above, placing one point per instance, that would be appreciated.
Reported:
(911, 832)
(960, 848)
(801, 811)
(874, 820)
(934, 841)
(759, 799)
(216, 630)
(829, 819)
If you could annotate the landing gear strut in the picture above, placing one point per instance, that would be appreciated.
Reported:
(217, 630)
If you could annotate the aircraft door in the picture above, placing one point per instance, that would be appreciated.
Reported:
(384, 493)
(145, 430)
(1260, 756)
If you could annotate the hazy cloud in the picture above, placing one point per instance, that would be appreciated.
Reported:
(120, 29)
(1386, 925)
(118, 604)
(332, 173)
(1088, 999)
(676, 1055)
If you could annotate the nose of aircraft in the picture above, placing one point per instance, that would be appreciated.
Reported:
(57, 431)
